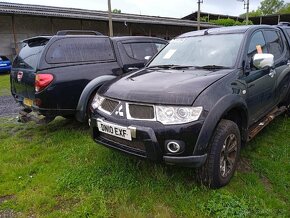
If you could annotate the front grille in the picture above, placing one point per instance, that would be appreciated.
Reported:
(134, 144)
(144, 112)
(109, 105)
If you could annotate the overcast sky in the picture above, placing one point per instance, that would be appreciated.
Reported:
(165, 8)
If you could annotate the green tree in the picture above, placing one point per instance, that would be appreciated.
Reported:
(285, 9)
(117, 11)
(253, 13)
(271, 6)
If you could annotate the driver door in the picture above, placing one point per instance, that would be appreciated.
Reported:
(261, 83)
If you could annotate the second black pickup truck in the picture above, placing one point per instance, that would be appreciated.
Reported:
(56, 76)
(202, 97)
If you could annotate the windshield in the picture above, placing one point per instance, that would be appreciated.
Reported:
(198, 51)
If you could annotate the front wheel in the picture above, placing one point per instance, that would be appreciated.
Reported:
(223, 155)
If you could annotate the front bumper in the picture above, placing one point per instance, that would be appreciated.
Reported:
(149, 143)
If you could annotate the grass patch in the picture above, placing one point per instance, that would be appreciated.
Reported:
(4, 84)
(58, 171)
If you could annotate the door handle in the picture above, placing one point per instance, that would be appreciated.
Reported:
(272, 73)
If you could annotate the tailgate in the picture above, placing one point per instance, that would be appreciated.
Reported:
(22, 83)
(24, 70)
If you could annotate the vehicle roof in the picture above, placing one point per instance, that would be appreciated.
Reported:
(116, 39)
(123, 38)
(224, 30)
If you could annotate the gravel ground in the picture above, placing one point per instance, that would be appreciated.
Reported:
(8, 107)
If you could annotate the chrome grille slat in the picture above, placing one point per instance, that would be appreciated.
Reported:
(109, 105)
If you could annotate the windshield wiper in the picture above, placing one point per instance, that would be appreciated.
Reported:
(212, 67)
(169, 66)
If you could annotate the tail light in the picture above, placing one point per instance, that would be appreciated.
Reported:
(42, 81)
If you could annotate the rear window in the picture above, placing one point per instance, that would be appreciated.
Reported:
(28, 57)
(72, 50)
(3, 58)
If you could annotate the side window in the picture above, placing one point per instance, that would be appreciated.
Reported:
(275, 43)
(3, 58)
(139, 50)
(159, 46)
(257, 40)
(73, 50)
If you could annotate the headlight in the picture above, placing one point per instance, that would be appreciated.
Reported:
(177, 115)
(97, 101)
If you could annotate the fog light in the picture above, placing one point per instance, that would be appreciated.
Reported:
(173, 147)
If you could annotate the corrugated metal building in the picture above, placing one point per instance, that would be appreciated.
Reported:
(20, 21)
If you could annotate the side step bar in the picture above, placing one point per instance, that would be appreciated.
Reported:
(255, 129)
(25, 117)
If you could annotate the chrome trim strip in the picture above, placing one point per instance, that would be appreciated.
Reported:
(105, 111)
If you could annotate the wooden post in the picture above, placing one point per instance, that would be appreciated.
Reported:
(198, 13)
(14, 34)
(110, 19)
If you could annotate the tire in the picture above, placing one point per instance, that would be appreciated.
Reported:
(223, 155)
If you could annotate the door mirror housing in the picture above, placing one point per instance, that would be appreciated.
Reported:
(261, 61)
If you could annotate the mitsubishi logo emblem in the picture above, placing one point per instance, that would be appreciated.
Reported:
(120, 112)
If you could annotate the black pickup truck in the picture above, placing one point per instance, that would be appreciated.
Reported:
(56, 76)
(203, 96)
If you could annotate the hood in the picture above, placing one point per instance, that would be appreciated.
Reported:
(172, 87)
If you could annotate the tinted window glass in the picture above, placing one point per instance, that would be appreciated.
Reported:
(139, 50)
(274, 42)
(3, 58)
(128, 49)
(257, 40)
(72, 50)
(159, 46)
(28, 57)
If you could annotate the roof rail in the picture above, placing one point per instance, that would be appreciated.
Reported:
(284, 24)
(77, 32)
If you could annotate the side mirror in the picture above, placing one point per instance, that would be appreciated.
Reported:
(261, 61)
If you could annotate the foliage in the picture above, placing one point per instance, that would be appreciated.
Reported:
(268, 7)
(285, 9)
(271, 6)
(117, 11)
(253, 13)
(4, 84)
(229, 22)
(57, 170)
